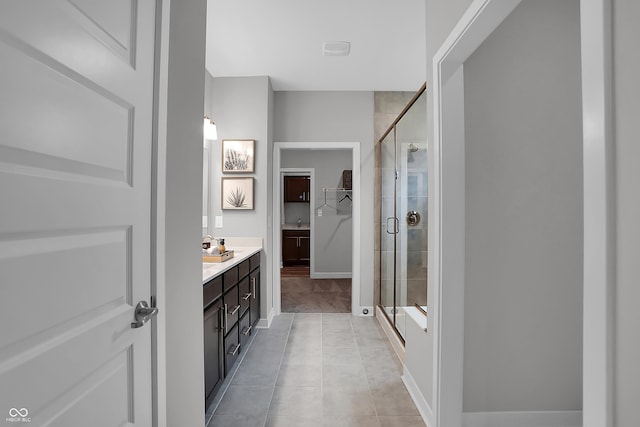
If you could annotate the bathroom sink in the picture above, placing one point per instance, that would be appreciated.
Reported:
(226, 255)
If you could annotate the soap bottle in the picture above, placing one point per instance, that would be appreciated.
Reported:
(221, 247)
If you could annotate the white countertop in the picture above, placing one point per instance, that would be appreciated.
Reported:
(240, 253)
(295, 226)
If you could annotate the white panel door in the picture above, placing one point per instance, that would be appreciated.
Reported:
(76, 97)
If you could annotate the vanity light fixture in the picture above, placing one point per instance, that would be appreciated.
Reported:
(210, 131)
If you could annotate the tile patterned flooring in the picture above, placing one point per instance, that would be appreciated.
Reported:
(317, 370)
(306, 295)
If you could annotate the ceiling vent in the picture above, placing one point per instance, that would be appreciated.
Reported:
(335, 48)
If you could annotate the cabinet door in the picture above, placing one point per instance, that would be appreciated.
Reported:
(297, 189)
(255, 296)
(213, 362)
(304, 249)
(289, 248)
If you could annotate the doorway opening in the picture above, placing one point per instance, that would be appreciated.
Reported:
(333, 228)
(295, 208)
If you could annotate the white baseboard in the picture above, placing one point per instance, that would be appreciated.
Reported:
(397, 345)
(523, 419)
(333, 275)
(266, 323)
(416, 395)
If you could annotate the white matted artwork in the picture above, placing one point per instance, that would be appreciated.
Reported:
(237, 193)
(237, 155)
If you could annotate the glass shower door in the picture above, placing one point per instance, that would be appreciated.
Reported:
(390, 229)
(403, 207)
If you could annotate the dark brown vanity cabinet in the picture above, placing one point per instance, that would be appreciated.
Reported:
(297, 189)
(213, 335)
(296, 248)
(231, 310)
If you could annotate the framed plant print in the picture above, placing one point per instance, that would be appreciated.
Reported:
(237, 193)
(237, 155)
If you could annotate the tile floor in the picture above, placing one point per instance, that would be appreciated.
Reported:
(306, 295)
(317, 370)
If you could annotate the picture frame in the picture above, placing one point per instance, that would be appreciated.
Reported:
(238, 155)
(237, 193)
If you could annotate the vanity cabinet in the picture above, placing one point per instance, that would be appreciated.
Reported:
(297, 189)
(213, 336)
(296, 247)
(231, 310)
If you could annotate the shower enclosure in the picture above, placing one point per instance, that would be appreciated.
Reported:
(403, 213)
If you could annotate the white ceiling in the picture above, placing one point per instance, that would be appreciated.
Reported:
(283, 39)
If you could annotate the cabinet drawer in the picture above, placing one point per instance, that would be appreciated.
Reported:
(230, 277)
(296, 233)
(243, 269)
(245, 330)
(231, 349)
(231, 308)
(212, 290)
(244, 288)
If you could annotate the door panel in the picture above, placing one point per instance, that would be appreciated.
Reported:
(75, 184)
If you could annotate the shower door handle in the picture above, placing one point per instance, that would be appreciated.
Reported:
(396, 225)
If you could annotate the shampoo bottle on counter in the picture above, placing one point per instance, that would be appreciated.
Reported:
(221, 247)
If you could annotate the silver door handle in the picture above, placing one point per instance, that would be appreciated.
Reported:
(246, 331)
(396, 227)
(253, 287)
(235, 310)
(234, 350)
(224, 316)
(143, 314)
(246, 297)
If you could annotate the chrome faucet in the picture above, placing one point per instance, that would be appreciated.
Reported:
(299, 222)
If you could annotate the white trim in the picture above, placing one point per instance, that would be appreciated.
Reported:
(357, 191)
(396, 344)
(332, 275)
(523, 419)
(311, 172)
(599, 226)
(418, 398)
(266, 322)
(158, 226)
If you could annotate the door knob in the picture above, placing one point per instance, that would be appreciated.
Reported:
(143, 314)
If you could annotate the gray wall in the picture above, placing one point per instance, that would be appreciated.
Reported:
(336, 117)
(242, 109)
(627, 110)
(523, 267)
(332, 237)
(183, 305)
